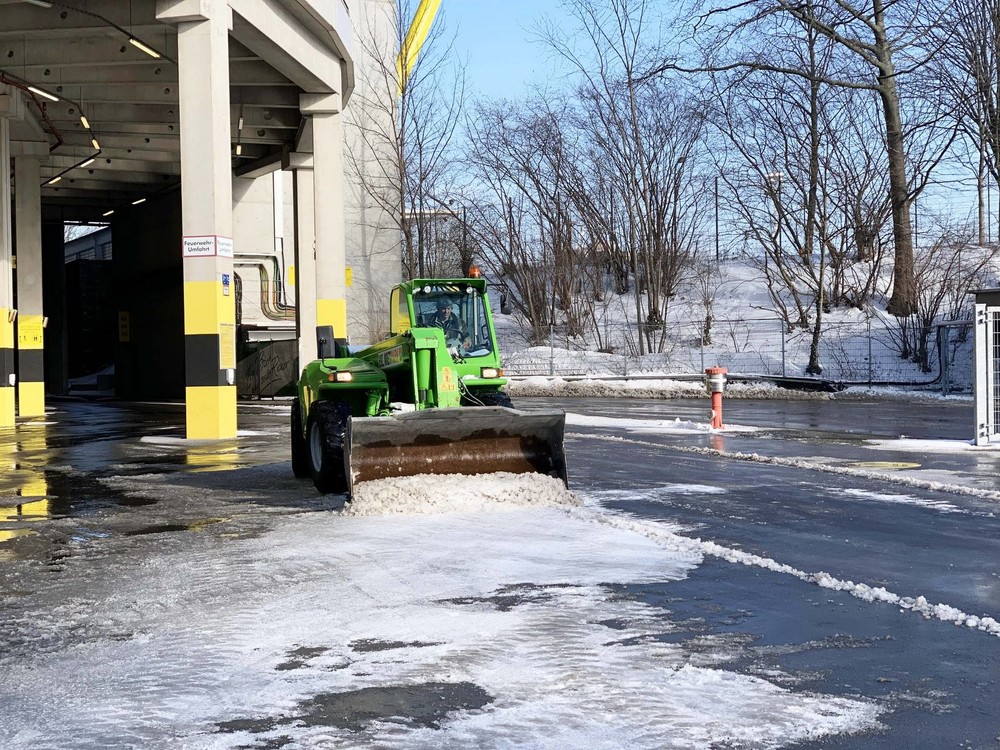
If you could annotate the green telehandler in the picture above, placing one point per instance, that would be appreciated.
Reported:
(427, 400)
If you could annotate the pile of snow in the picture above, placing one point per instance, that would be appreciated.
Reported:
(457, 493)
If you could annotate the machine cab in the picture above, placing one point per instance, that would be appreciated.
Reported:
(458, 307)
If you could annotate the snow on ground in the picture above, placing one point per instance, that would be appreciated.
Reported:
(915, 445)
(887, 497)
(219, 642)
(748, 337)
(661, 426)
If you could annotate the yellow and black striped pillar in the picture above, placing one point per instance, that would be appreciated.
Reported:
(30, 320)
(30, 365)
(207, 221)
(209, 349)
(7, 400)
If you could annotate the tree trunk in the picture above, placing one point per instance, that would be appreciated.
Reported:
(904, 290)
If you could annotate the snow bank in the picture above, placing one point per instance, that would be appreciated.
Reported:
(457, 493)
(649, 388)
(899, 393)
(925, 446)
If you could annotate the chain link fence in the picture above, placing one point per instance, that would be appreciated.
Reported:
(856, 353)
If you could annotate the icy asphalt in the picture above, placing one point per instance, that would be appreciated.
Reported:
(755, 587)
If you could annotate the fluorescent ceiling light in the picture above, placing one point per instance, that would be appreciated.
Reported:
(39, 3)
(54, 180)
(85, 122)
(95, 144)
(144, 47)
(108, 213)
(87, 163)
(239, 123)
(136, 203)
(239, 149)
(43, 92)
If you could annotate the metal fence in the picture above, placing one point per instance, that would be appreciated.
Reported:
(851, 352)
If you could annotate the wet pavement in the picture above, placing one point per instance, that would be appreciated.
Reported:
(109, 487)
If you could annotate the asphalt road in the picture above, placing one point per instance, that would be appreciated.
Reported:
(937, 681)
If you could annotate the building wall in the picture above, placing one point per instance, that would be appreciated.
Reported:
(373, 239)
(372, 232)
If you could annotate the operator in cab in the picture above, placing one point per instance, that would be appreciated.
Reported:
(450, 323)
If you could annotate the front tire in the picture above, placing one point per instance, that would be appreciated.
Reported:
(487, 398)
(327, 427)
(300, 447)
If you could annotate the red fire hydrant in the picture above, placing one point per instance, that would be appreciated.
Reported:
(715, 383)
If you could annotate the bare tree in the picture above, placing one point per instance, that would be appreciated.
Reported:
(947, 269)
(529, 158)
(883, 41)
(641, 133)
(968, 65)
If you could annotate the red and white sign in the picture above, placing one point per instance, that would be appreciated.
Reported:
(208, 246)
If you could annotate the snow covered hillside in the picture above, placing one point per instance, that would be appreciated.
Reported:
(747, 336)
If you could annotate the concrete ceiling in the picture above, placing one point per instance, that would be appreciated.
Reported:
(79, 50)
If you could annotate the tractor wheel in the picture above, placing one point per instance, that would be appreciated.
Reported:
(327, 427)
(488, 398)
(300, 448)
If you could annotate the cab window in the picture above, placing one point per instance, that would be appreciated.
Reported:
(399, 313)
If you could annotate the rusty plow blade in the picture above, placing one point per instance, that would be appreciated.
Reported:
(466, 440)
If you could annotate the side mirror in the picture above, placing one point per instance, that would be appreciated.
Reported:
(326, 347)
(505, 307)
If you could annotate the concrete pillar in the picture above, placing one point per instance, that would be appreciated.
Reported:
(328, 201)
(305, 266)
(30, 317)
(207, 224)
(7, 379)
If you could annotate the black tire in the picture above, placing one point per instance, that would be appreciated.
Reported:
(487, 398)
(326, 428)
(300, 448)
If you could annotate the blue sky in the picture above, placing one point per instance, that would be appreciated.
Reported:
(494, 37)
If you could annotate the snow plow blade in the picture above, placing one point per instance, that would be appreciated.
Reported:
(466, 440)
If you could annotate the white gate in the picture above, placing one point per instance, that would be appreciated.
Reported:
(987, 370)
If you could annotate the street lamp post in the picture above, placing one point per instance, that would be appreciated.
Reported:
(463, 254)
(466, 260)
(774, 179)
(716, 219)
(677, 200)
